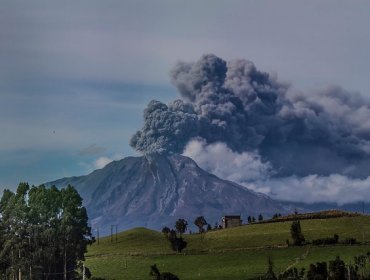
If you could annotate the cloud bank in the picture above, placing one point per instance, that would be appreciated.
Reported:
(249, 170)
(314, 188)
(245, 125)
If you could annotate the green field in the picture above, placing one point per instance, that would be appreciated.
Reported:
(238, 253)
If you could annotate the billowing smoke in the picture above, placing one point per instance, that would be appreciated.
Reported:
(250, 111)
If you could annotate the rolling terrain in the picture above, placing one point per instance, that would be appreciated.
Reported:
(237, 253)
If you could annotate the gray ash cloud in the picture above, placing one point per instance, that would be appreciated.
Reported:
(233, 102)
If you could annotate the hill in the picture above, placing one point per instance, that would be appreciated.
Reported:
(155, 190)
(326, 214)
(236, 253)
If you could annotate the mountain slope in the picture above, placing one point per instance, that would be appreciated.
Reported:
(155, 190)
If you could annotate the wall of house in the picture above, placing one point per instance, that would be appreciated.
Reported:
(231, 222)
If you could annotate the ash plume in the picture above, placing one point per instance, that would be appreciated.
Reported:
(248, 110)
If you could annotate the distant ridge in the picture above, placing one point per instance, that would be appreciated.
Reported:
(155, 190)
(326, 214)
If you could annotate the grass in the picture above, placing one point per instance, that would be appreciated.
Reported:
(237, 253)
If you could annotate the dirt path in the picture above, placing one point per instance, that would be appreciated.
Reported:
(300, 258)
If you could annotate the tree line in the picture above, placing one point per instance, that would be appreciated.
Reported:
(299, 239)
(335, 269)
(44, 233)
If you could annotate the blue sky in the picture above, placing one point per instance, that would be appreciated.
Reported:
(76, 76)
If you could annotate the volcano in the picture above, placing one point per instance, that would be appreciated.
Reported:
(155, 190)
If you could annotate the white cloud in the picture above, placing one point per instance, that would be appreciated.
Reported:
(101, 162)
(220, 160)
(249, 170)
(313, 188)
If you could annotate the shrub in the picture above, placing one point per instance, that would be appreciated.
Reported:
(318, 271)
(296, 233)
(156, 275)
(337, 269)
(350, 241)
(178, 244)
(260, 218)
(326, 241)
(292, 274)
(166, 231)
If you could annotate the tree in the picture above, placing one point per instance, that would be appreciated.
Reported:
(253, 219)
(77, 233)
(44, 231)
(200, 222)
(318, 271)
(249, 219)
(296, 233)
(14, 234)
(157, 275)
(293, 274)
(276, 215)
(337, 269)
(260, 218)
(177, 243)
(181, 226)
(166, 231)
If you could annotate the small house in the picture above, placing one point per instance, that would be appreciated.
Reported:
(231, 221)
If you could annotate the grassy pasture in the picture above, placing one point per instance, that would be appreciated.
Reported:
(237, 253)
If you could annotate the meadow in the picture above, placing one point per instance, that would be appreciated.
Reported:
(236, 253)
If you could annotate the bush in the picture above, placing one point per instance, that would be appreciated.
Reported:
(260, 218)
(156, 275)
(337, 269)
(318, 271)
(292, 274)
(177, 243)
(166, 231)
(276, 215)
(350, 241)
(168, 276)
(326, 241)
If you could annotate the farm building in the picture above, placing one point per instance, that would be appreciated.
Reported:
(231, 221)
